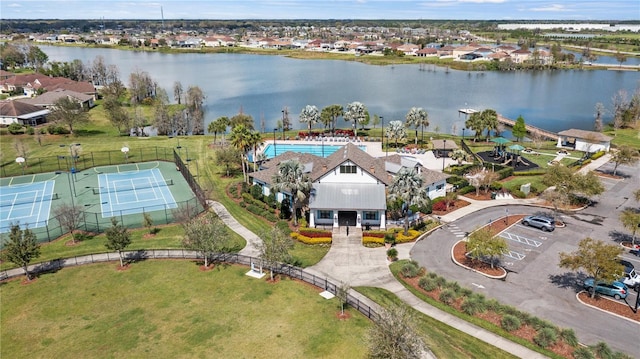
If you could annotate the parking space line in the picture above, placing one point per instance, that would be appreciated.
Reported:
(520, 239)
(515, 255)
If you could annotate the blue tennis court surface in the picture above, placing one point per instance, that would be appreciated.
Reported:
(134, 192)
(26, 204)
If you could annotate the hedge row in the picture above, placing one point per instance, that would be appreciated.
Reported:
(315, 233)
(310, 240)
(259, 211)
(372, 240)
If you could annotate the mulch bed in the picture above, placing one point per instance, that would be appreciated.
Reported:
(613, 306)
(459, 203)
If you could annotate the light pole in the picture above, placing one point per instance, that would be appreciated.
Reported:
(382, 120)
(463, 133)
(506, 219)
(73, 151)
(283, 125)
(444, 152)
(275, 152)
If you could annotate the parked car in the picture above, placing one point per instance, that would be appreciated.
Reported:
(615, 289)
(544, 223)
(635, 252)
(628, 266)
(631, 279)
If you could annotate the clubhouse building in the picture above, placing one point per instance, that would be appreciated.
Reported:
(349, 188)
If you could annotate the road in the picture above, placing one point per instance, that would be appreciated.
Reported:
(537, 285)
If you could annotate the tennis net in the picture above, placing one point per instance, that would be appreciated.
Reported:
(98, 190)
(19, 201)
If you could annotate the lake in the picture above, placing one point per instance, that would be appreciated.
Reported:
(262, 85)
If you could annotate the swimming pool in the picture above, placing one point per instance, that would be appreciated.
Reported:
(315, 149)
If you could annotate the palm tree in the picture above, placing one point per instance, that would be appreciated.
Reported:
(408, 187)
(475, 124)
(417, 117)
(254, 142)
(330, 116)
(396, 131)
(239, 139)
(219, 125)
(292, 180)
(310, 115)
(489, 121)
(356, 112)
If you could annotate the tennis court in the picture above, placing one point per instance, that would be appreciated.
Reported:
(26, 204)
(134, 192)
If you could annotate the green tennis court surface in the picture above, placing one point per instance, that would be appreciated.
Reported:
(134, 192)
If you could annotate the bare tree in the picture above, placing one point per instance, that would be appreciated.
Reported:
(395, 335)
(194, 101)
(620, 102)
(342, 293)
(22, 149)
(274, 248)
(68, 112)
(70, 217)
(177, 92)
(600, 110)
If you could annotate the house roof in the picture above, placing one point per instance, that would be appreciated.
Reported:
(584, 134)
(350, 152)
(49, 98)
(19, 109)
(348, 196)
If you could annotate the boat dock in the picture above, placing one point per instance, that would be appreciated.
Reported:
(531, 130)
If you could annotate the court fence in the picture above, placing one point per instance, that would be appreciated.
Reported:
(191, 181)
(74, 162)
(95, 223)
(234, 258)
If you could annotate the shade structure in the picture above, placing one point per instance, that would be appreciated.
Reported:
(500, 140)
(516, 147)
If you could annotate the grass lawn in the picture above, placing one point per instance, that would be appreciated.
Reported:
(171, 309)
(517, 181)
(443, 340)
(168, 237)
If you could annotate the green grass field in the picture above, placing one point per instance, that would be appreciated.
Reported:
(171, 309)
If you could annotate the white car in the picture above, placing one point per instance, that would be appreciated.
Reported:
(631, 279)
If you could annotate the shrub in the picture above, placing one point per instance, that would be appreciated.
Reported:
(583, 353)
(506, 172)
(473, 305)
(392, 253)
(30, 130)
(569, 337)
(538, 323)
(466, 189)
(454, 286)
(447, 296)
(377, 234)
(495, 186)
(510, 322)
(597, 155)
(427, 283)
(256, 192)
(57, 130)
(410, 270)
(494, 305)
(311, 240)
(372, 240)
(270, 217)
(440, 206)
(546, 336)
(412, 234)
(518, 193)
(389, 238)
(283, 226)
(602, 350)
(15, 128)
(315, 233)
(441, 281)
(432, 275)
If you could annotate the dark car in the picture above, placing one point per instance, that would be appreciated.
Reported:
(544, 223)
(628, 266)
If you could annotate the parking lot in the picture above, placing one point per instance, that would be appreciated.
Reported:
(525, 245)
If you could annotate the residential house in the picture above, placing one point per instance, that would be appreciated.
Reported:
(48, 99)
(582, 140)
(349, 186)
(446, 51)
(23, 113)
(409, 49)
(460, 51)
(520, 56)
(427, 52)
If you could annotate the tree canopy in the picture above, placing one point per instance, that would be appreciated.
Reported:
(21, 248)
(118, 238)
(206, 234)
(519, 129)
(69, 112)
(484, 244)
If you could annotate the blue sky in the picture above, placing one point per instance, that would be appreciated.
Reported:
(324, 9)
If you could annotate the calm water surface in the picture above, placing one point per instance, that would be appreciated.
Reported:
(262, 85)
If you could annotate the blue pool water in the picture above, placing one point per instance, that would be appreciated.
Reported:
(314, 149)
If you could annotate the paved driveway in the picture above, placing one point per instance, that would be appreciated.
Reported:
(536, 284)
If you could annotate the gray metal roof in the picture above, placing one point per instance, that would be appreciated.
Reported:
(344, 196)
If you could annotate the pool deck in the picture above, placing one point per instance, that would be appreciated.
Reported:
(427, 159)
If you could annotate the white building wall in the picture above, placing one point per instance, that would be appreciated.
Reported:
(359, 177)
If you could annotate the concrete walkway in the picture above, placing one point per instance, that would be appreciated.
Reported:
(348, 261)
(253, 241)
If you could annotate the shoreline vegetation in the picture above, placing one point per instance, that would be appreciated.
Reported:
(371, 59)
